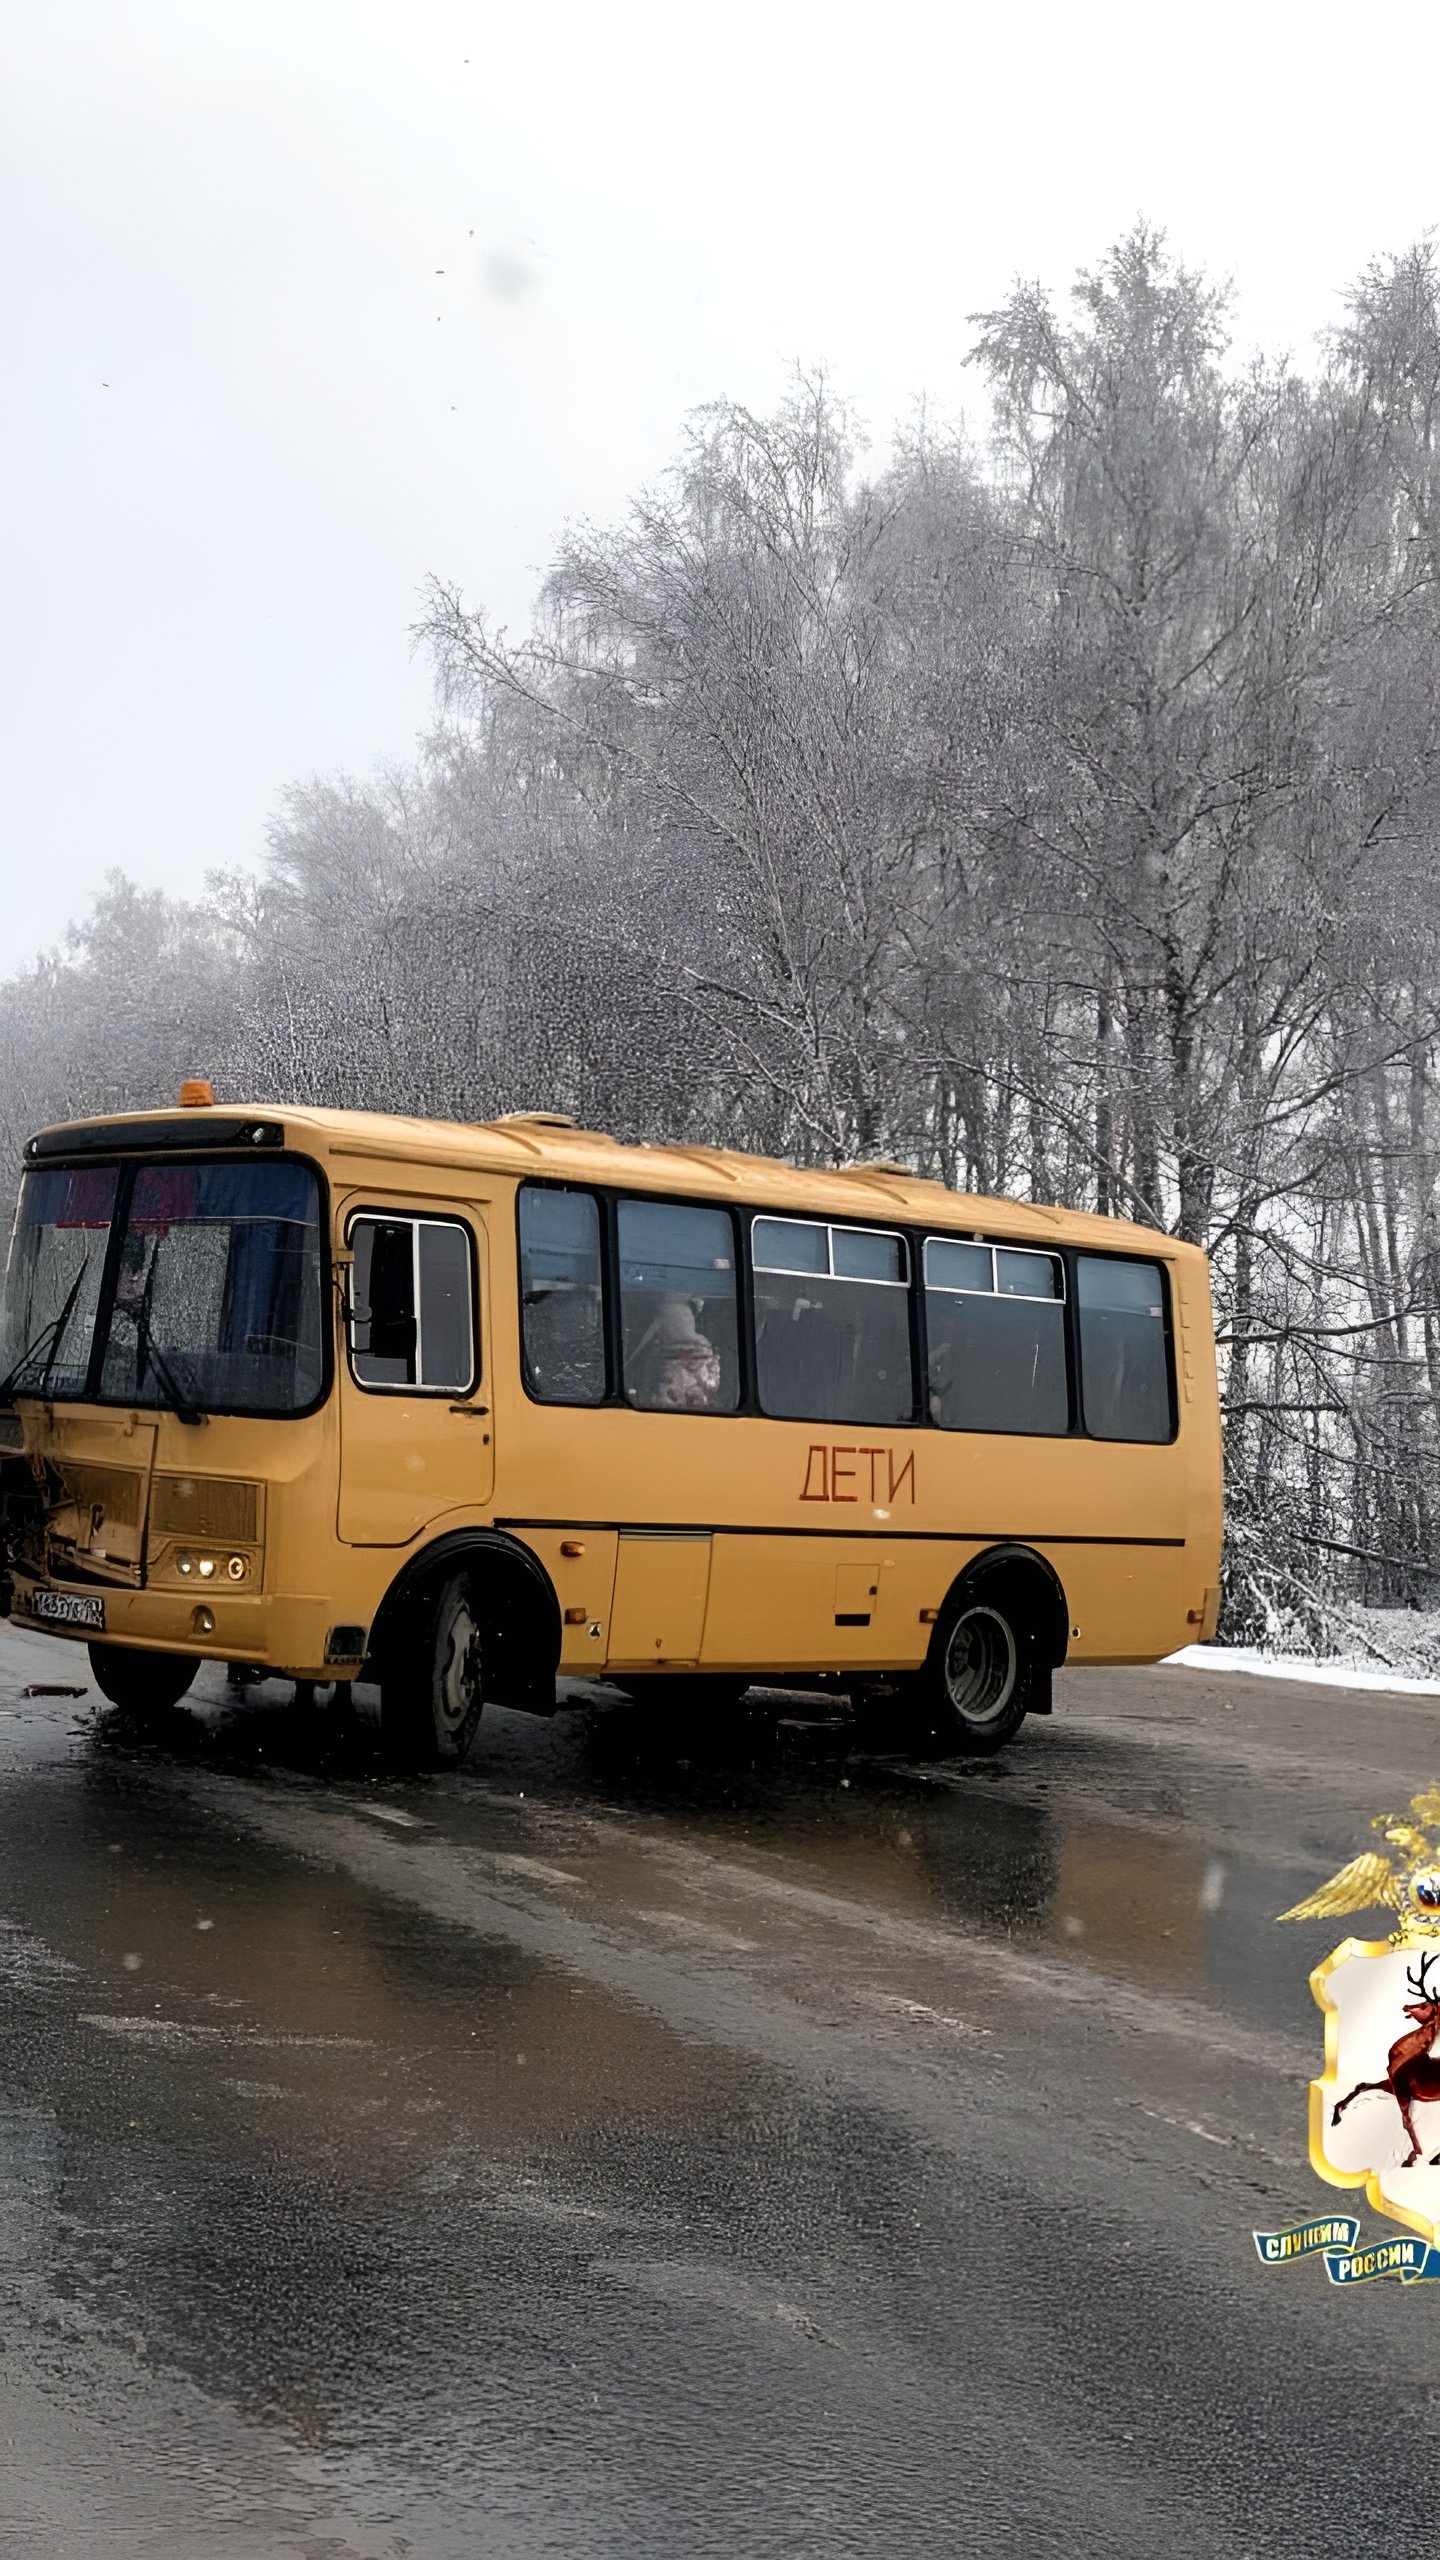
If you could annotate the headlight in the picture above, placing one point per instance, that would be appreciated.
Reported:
(236, 1568)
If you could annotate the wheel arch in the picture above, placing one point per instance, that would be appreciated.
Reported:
(1022, 1571)
(522, 1651)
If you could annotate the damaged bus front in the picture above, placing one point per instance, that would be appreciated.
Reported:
(164, 1309)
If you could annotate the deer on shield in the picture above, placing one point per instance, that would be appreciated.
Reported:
(1412, 2071)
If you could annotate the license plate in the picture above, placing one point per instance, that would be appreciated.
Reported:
(69, 1608)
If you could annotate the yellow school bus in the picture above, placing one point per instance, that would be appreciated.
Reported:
(460, 1408)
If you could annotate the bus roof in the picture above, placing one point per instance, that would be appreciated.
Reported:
(547, 1145)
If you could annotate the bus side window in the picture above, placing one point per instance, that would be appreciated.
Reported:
(832, 1322)
(561, 1306)
(995, 1322)
(678, 1324)
(1124, 1367)
(412, 1295)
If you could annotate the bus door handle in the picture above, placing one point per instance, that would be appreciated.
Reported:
(470, 1408)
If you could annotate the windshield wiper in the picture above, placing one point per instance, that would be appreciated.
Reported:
(176, 1400)
(148, 1355)
(54, 1331)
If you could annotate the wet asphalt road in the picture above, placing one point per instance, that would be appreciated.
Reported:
(755, 2149)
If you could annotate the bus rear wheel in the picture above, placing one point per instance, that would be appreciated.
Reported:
(141, 1683)
(974, 1691)
(432, 1689)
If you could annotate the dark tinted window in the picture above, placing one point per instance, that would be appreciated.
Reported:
(561, 1306)
(790, 1244)
(995, 1324)
(1027, 1275)
(832, 1322)
(952, 1265)
(1124, 1366)
(412, 1302)
(677, 1308)
(447, 1344)
(858, 1253)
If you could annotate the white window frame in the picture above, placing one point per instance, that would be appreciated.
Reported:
(982, 1244)
(414, 1219)
(830, 1228)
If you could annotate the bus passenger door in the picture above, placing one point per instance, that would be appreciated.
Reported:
(416, 1418)
(662, 1582)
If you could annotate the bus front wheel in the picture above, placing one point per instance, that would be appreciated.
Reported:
(141, 1683)
(432, 1689)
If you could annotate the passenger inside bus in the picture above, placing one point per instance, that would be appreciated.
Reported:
(673, 1367)
(678, 1311)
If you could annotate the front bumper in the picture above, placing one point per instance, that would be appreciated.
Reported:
(287, 1631)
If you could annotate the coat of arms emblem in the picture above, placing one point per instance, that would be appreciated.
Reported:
(1375, 2110)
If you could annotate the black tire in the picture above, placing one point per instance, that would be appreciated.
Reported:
(140, 1683)
(432, 1688)
(974, 1692)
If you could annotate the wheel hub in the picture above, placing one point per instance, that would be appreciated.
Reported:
(980, 1666)
(460, 1670)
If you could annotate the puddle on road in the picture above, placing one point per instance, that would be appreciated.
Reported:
(406, 2190)
(180, 1931)
(414, 2198)
(297, 2135)
(1003, 1849)
(999, 1848)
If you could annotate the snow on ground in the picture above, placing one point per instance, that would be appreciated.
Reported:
(1339, 1673)
(1393, 1649)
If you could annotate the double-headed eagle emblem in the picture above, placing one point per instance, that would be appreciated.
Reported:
(1408, 1883)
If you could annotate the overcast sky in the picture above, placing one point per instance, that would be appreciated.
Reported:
(304, 299)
